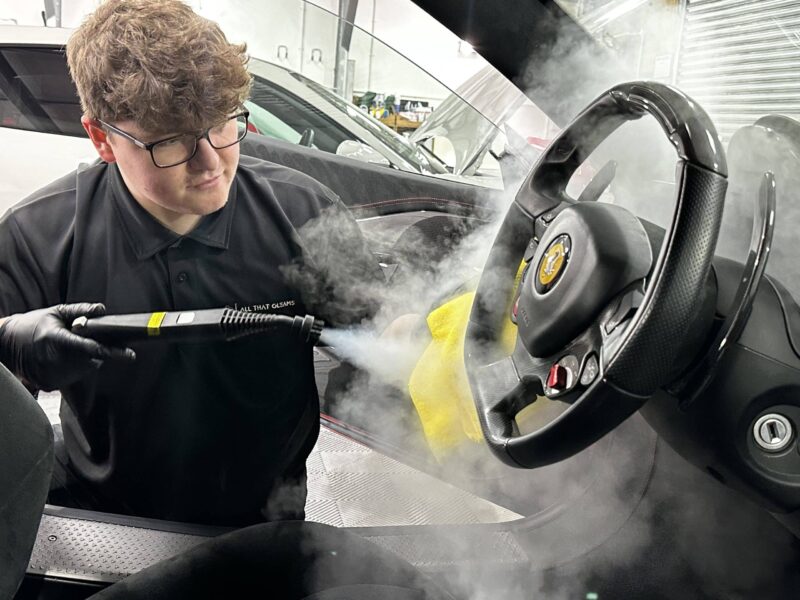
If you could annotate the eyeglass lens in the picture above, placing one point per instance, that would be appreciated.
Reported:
(180, 149)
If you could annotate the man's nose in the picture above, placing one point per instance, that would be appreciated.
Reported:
(206, 157)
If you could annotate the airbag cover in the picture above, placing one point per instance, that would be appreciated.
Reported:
(589, 254)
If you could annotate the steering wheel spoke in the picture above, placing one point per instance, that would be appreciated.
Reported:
(615, 321)
(527, 366)
(588, 355)
(499, 384)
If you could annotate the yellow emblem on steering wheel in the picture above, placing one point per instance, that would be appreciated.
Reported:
(553, 262)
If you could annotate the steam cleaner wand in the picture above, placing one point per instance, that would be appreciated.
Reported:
(195, 326)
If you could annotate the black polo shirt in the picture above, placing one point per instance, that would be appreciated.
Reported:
(194, 432)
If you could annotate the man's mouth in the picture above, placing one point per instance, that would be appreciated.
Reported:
(207, 183)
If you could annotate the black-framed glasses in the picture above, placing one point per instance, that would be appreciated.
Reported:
(178, 149)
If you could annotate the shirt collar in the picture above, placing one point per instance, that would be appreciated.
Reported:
(147, 236)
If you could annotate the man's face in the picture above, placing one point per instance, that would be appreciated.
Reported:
(197, 187)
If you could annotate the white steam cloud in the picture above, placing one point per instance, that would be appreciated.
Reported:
(645, 184)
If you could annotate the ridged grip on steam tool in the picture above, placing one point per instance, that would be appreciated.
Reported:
(236, 324)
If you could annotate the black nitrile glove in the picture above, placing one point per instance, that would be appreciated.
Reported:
(39, 347)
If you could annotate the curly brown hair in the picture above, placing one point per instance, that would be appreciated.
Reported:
(157, 63)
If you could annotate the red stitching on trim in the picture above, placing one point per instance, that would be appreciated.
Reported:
(418, 200)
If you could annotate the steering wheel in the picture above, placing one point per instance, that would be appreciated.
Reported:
(602, 312)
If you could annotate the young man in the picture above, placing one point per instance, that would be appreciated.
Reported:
(173, 219)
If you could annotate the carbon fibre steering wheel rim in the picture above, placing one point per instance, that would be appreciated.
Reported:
(645, 353)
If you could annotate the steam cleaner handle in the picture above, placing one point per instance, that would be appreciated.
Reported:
(198, 325)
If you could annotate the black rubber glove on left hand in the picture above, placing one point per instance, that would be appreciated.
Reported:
(39, 347)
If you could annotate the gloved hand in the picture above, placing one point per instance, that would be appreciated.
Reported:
(39, 346)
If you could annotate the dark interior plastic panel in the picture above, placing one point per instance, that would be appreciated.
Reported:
(373, 190)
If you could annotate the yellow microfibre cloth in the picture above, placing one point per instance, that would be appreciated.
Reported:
(439, 386)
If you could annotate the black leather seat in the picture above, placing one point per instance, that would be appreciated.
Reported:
(26, 464)
(292, 560)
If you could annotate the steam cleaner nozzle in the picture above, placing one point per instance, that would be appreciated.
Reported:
(199, 325)
(309, 328)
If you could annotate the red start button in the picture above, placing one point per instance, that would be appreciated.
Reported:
(557, 378)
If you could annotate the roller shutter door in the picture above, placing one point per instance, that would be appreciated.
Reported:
(740, 59)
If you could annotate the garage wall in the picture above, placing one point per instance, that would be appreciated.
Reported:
(302, 36)
(737, 64)
(415, 34)
(286, 32)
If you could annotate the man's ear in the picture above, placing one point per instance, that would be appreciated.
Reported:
(99, 138)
